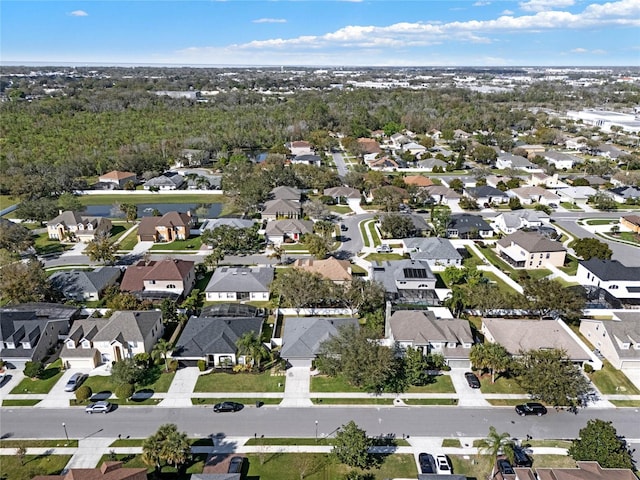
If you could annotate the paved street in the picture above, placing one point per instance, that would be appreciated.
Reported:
(341, 166)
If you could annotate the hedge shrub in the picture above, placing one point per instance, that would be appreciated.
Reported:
(124, 391)
(202, 365)
(83, 393)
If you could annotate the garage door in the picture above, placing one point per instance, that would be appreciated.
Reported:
(84, 363)
(459, 363)
(301, 363)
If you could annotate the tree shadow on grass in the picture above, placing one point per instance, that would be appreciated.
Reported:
(49, 373)
(100, 396)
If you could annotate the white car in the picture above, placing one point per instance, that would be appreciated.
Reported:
(442, 465)
(384, 248)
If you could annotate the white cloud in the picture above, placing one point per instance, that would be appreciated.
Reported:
(79, 13)
(508, 12)
(543, 5)
(270, 20)
(597, 51)
(579, 50)
(481, 3)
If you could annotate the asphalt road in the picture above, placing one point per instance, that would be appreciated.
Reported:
(139, 422)
(341, 166)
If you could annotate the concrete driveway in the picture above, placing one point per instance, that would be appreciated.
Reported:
(57, 397)
(633, 374)
(467, 396)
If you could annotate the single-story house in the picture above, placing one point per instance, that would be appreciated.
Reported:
(118, 179)
(123, 335)
(191, 157)
(618, 340)
(159, 279)
(29, 330)
(562, 161)
(529, 195)
(576, 143)
(166, 181)
(286, 231)
(299, 147)
(468, 226)
(420, 225)
(418, 181)
(370, 148)
(406, 281)
(236, 223)
(519, 336)
(214, 340)
(576, 194)
(278, 208)
(239, 284)
(632, 222)
(610, 152)
(414, 148)
(531, 150)
(624, 193)
(338, 271)
(382, 163)
(71, 226)
(582, 471)
(342, 192)
(443, 195)
(617, 279)
(167, 228)
(397, 140)
(530, 250)
(302, 337)
(510, 222)
(486, 195)
(286, 193)
(82, 286)
(507, 160)
(420, 329)
(428, 164)
(106, 471)
(436, 251)
(307, 159)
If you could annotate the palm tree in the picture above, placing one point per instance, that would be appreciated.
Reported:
(151, 451)
(494, 444)
(161, 350)
(250, 344)
(176, 449)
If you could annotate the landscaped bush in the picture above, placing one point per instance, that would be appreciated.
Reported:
(83, 393)
(202, 365)
(124, 391)
(33, 369)
(173, 365)
(588, 368)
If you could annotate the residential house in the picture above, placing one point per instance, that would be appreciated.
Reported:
(443, 195)
(437, 150)
(495, 180)
(406, 281)
(532, 150)
(486, 195)
(191, 157)
(341, 194)
(123, 335)
(510, 222)
(421, 330)
(632, 222)
(618, 280)
(106, 471)
(529, 195)
(468, 226)
(397, 140)
(29, 330)
(239, 284)
(287, 231)
(594, 180)
(307, 159)
(584, 471)
(159, 279)
(419, 181)
(82, 286)
(214, 340)
(519, 336)
(562, 161)
(303, 336)
(428, 164)
(576, 143)
(437, 252)
(530, 250)
(338, 271)
(167, 228)
(166, 181)
(235, 223)
(278, 209)
(117, 179)
(618, 340)
(507, 160)
(71, 226)
(383, 163)
(370, 148)
(576, 194)
(624, 193)
(414, 148)
(300, 147)
(460, 134)
(610, 152)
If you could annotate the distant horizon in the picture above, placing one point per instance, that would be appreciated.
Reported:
(376, 33)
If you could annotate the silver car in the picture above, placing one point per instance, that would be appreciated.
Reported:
(98, 407)
(74, 382)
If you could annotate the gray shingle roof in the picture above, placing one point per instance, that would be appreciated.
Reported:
(292, 225)
(207, 335)
(626, 330)
(531, 242)
(240, 279)
(281, 207)
(421, 327)
(432, 248)
(390, 272)
(465, 223)
(485, 191)
(514, 219)
(75, 283)
(128, 325)
(611, 270)
(286, 193)
(231, 222)
(302, 336)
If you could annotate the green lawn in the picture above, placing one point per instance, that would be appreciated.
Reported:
(341, 209)
(505, 402)
(611, 381)
(38, 443)
(430, 401)
(353, 401)
(192, 243)
(381, 257)
(279, 441)
(550, 443)
(451, 443)
(363, 233)
(570, 206)
(539, 273)
(323, 383)
(130, 241)
(501, 284)
(373, 232)
(12, 469)
(44, 246)
(629, 237)
(570, 265)
(441, 384)
(601, 221)
(19, 403)
(137, 199)
(239, 382)
(117, 230)
(195, 465)
(626, 403)
(495, 260)
(502, 385)
(156, 381)
(41, 385)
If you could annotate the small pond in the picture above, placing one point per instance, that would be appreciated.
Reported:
(200, 210)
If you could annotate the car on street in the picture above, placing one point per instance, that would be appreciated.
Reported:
(531, 408)
(343, 227)
(472, 380)
(520, 458)
(235, 465)
(74, 382)
(427, 463)
(553, 205)
(227, 407)
(383, 249)
(442, 465)
(98, 407)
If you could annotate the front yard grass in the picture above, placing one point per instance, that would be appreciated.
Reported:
(130, 241)
(192, 243)
(44, 246)
(501, 385)
(451, 443)
(34, 465)
(341, 209)
(353, 401)
(167, 472)
(550, 443)
(326, 384)
(430, 401)
(19, 403)
(570, 266)
(381, 257)
(157, 380)
(38, 443)
(239, 382)
(363, 234)
(506, 402)
(626, 403)
(611, 381)
(41, 385)
(441, 384)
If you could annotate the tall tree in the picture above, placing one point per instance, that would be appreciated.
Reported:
(588, 248)
(547, 297)
(494, 443)
(249, 344)
(24, 282)
(161, 349)
(491, 356)
(130, 211)
(351, 446)
(102, 250)
(394, 225)
(599, 442)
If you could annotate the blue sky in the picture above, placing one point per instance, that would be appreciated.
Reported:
(375, 32)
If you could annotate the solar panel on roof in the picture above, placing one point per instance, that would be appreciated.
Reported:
(415, 273)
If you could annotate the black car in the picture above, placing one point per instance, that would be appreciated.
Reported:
(227, 407)
(235, 465)
(520, 458)
(343, 227)
(531, 408)
(472, 380)
(505, 467)
(427, 463)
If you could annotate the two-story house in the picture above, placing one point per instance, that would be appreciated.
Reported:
(159, 279)
(117, 179)
(618, 340)
(530, 250)
(167, 228)
(406, 281)
(239, 284)
(72, 227)
(80, 285)
(618, 280)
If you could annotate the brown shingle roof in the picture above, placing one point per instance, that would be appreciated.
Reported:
(418, 181)
(169, 269)
(531, 242)
(117, 175)
(106, 471)
(585, 471)
(331, 268)
(369, 145)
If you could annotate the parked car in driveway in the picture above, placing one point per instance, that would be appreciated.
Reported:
(427, 463)
(531, 408)
(98, 407)
(235, 465)
(383, 249)
(75, 381)
(227, 407)
(442, 465)
(520, 458)
(472, 380)
(504, 467)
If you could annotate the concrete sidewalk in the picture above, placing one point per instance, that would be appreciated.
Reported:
(89, 452)
(181, 389)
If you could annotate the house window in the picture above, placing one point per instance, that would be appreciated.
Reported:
(548, 256)
(171, 285)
